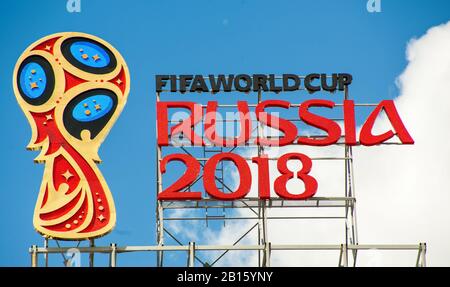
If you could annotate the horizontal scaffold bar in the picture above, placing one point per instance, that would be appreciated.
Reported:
(255, 202)
(281, 247)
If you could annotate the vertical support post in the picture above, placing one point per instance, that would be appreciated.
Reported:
(91, 253)
(267, 252)
(260, 232)
(34, 256)
(421, 256)
(264, 231)
(424, 255)
(191, 254)
(347, 192)
(113, 255)
(351, 236)
(343, 258)
(159, 208)
(262, 215)
(46, 253)
(354, 229)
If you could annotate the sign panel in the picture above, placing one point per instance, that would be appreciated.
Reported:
(206, 116)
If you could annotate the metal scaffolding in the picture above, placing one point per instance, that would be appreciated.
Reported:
(215, 210)
(191, 248)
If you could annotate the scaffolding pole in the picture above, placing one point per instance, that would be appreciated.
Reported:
(159, 208)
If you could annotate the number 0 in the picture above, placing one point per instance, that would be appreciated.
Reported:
(209, 176)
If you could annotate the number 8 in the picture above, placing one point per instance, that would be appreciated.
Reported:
(281, 182)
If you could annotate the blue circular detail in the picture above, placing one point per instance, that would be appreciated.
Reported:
(90, 54)
(92, 108)
(33, 80)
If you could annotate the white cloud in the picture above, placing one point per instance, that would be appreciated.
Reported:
(403, 193)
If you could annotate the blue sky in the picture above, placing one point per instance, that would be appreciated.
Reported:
(189, 37)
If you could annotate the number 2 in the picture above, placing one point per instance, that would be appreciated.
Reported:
(190, 175)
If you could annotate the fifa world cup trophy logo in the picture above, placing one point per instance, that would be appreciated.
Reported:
(72, 88)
